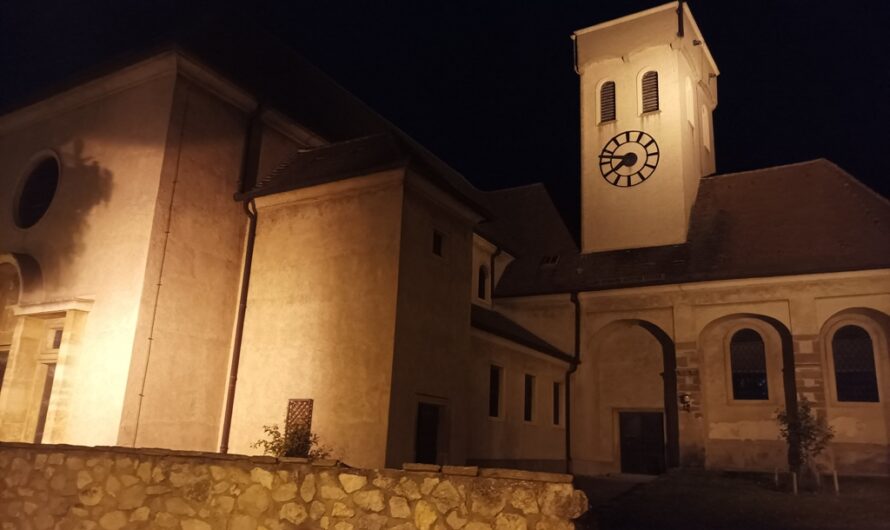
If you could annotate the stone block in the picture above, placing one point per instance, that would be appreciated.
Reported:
(371, 500)
(307, 489)
(424, 515)
(352, 482)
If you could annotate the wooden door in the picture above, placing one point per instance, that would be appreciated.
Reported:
(642, 442)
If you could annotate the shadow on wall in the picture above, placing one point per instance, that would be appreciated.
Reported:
(82, 186)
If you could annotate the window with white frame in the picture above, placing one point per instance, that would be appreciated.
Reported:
(854, 365)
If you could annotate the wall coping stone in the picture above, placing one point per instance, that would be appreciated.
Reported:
(465, 471)
(469, 471)
(518, 474)
(413, 466)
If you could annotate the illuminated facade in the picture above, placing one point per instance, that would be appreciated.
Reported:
(180, 267)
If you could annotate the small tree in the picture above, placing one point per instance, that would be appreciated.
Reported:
(805, 434)
(299, 441)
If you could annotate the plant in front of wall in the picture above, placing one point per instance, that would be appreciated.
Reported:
(298, 441)
(806, 435)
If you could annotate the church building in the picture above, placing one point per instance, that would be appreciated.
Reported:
(195, 244)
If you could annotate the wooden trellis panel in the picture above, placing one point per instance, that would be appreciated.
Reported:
(299, 414)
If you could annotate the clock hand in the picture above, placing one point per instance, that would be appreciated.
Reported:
(614, 169)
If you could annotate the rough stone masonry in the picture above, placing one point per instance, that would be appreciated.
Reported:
(70, 487)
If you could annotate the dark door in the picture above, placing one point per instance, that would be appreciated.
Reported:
(425, 441)
(642, 442)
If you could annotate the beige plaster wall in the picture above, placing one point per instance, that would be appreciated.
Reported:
(621, 51)
(509, 440)
(698, 316)
(321, 312)
(94, 240)
(655, 211)
(741, 434)
(550, 317)
(183, 342)
(619, 371)
(432, 334)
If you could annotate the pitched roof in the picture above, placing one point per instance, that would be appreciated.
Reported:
(328, 163)
(803, 218)
(497, 324)
(272, 73)
(525, 221)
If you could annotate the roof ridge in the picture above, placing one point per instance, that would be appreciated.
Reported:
(519, 187)
(770, 168)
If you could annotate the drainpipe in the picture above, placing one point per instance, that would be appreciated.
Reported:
(575, 54)
(250, 210)
(249, 169)
(680, 29)
(572, 368)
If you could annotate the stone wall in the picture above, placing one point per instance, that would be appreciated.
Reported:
(72, 487)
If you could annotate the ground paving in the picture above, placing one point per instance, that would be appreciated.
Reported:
(693, 500)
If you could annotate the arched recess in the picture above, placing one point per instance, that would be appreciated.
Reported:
(606, 389)
(30, 278)
(786, 346)
(862, 450)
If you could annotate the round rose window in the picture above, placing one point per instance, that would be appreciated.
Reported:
(37, 193)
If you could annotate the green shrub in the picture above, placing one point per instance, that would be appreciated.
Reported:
(300, 442)
(806, 434)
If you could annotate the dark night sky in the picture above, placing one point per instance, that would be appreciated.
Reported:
(489, 87)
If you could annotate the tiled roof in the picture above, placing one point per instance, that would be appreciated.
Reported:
(810, 217)
(525, 221)
(497, 324)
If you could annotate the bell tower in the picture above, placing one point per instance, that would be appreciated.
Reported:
(648, 90)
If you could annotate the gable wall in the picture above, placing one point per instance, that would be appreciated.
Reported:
(183, 343)
(92, 243)
(321, 315)
(432, 340)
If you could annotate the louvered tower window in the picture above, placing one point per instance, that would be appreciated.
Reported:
(650, 91)
(607, 102)
(854, 365)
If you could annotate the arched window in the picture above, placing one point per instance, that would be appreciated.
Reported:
(649, 90)
(854, 365)
(607, 102)
(747, 356)
(483, 282)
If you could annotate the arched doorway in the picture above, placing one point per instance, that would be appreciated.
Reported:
(625, 401)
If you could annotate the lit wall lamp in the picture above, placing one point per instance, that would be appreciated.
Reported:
(686, 402)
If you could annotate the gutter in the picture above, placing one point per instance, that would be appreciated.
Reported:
(572, 368)
(249, 169)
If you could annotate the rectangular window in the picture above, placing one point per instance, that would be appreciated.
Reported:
(44, 401)
(529, 404)
(57, 339)
(4, 358)
(557, 391)
(494, 391)
(438, 239)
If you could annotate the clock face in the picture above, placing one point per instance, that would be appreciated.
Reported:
(629, 159)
